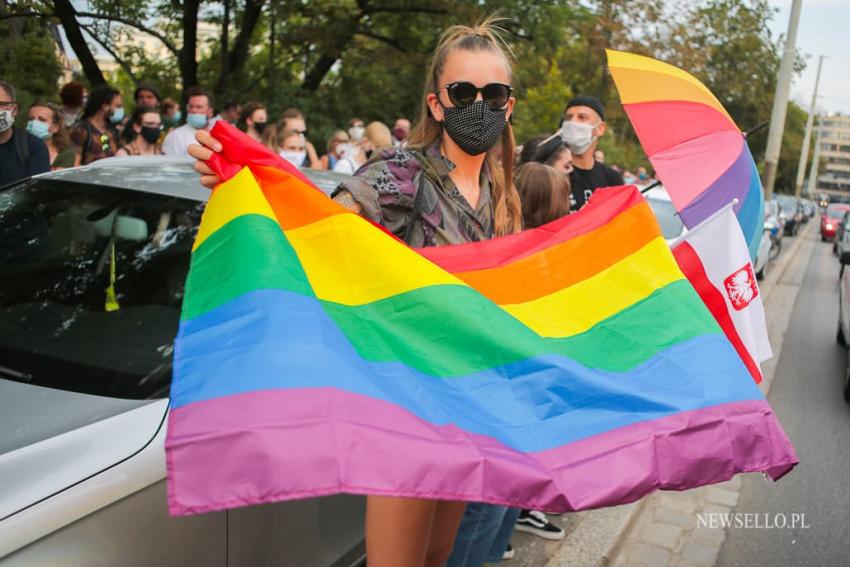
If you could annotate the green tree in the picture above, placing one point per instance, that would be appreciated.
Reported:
(28, 59)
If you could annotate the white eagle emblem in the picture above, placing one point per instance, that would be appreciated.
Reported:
(741, 287)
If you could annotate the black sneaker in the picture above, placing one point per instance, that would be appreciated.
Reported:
(534, 522)
(509, 552)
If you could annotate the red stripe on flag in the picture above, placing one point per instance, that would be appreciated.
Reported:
(692, 267)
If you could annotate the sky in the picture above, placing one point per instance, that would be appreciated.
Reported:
(824, 29)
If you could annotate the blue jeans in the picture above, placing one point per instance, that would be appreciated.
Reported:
(483, 536)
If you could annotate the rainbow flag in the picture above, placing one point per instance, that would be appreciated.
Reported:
(564, 368)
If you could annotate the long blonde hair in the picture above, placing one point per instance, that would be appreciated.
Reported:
(485, 36)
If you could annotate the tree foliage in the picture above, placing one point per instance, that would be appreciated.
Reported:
(337, 59)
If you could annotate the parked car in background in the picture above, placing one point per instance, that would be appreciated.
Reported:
(843, 332)
(94, 262)
(790, 211)
(668, 219)
(672, 227)
(773, 228)
(841, 243)
(809, 210)
(831, 219)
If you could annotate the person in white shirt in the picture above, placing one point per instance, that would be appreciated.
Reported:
(375, 137)
(198, 114)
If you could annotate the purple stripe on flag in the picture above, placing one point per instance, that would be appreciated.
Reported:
(276, 445)
(733, 184)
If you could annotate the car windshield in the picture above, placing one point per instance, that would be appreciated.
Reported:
(836, 211)
(665, 212)
(91, 286)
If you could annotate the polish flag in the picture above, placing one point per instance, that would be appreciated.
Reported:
(715, 258)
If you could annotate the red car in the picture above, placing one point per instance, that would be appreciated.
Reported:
(831, 219)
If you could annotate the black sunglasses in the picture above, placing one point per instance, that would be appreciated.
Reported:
(463, 94)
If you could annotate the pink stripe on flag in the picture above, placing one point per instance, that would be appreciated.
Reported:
(297, 443)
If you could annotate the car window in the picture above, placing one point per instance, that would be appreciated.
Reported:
(91, 286)
(665, 212)
(836, 211)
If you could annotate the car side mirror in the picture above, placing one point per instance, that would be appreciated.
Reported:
(130, 228)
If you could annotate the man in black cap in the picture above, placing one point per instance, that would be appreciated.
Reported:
(583, 125)
(148, 96)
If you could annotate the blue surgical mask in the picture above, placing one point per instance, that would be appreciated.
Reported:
(176, 118)
(117, 115)
(196, 120)
(39, 129)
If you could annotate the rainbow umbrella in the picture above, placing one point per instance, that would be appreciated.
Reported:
(697, 150)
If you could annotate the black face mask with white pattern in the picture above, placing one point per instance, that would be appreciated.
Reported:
(475, 128)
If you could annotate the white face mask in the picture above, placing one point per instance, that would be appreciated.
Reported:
(294, 157)
(6, 120)
(578, 136)
(356, 133)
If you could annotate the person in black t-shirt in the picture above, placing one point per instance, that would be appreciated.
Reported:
(21, 154)
(583, 125)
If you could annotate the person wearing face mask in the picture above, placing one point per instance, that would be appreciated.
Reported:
(293, 119)
(21, 153)
(401, 130)
(583, 125)
(142, 133)
(253, 120)
(443, 187)
(73, 97)
(171, 114)
(292, 147)
(355, 129)
(375, 136)
(46, 123)
(337, 142)
(95, 135)
(198, 115)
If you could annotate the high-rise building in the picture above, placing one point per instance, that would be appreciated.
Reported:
(834, 174)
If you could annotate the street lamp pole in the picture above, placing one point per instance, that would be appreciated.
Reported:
(813, 172)
(804, 153)
(780, 102)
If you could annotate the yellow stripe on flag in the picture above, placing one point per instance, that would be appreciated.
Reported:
(576, 309)
(238, 196)
(349, 261)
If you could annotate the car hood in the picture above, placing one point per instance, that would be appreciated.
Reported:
(53, 439)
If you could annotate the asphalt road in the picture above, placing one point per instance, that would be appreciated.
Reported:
(806, 395)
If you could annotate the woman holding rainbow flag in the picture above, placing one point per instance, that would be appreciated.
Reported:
(445, 187)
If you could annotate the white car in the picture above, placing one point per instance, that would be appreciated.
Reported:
(672, 227)
(93, 265)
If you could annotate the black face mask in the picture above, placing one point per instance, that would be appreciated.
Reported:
(151, 135)
(260, 126)
(475, 128)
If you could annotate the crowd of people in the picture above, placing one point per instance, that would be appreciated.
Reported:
(87, 126)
